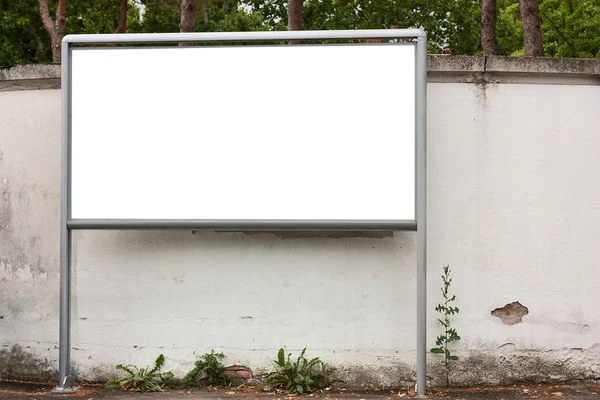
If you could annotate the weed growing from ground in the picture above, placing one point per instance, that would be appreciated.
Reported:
(211, 365)
(300, 376)
(449, 335)
(142, 379)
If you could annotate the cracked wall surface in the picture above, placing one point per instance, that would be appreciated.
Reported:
(513, 207)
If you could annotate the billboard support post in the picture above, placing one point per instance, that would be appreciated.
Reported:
(65, 379)
(421, 213)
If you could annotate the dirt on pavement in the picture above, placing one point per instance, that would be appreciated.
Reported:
(16, 390)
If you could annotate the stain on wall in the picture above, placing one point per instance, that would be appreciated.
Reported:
(17, 363)
(518, 366)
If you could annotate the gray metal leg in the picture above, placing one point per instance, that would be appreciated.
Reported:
(65, 380)
(421, 120)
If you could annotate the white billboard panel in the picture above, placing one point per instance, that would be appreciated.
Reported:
(250, 132)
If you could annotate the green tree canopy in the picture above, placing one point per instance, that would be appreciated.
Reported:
(212, 16)
(23, 38)
(570, 28)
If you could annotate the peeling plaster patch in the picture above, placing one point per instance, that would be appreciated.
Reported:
(24, 242)
(24, 274)
(5, 272)
(512, 313)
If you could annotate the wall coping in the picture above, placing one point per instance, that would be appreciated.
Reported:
(503, 69)
(30, 77)
(441, 68)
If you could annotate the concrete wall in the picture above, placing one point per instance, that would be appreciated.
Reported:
(514, 208)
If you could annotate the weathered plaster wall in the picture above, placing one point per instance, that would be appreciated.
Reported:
(514, 208)
(29, 227)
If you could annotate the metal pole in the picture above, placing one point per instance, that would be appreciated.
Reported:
(241, 224)
(421, 212)
(65, 380)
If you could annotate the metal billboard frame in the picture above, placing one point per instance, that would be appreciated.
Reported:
(65, 384)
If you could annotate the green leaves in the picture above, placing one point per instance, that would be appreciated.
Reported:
(160, 360)
(142, 379)
(23, 38)
(281, 358)
(300, 376)
(449, 334)
(210, 364)
(569, 28)
(126, 368)
(212, 16)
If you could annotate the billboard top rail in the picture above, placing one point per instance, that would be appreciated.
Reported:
(244, 36)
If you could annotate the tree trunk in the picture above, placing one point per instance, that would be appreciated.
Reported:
(188, 18)
(56, 29)
(122, 26)
(294, 17)
(488, 28)
(532, 32)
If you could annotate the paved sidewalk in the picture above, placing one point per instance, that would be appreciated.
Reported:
(10, 390)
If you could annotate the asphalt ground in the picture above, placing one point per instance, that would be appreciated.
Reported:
(17, 390)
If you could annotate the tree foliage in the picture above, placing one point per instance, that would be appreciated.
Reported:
(211, 16)
(570, 28)
(23, 38)
(98, 16)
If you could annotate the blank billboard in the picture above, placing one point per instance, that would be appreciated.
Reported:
(243, 132)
